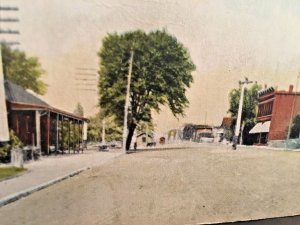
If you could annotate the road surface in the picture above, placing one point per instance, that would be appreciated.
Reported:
(210, 184)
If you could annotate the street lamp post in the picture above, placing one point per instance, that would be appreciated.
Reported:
(125, 130)
(103, 131)
(239, 117)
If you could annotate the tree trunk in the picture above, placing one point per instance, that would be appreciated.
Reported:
(131, 129)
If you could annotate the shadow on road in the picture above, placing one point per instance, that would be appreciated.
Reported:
(290, 220)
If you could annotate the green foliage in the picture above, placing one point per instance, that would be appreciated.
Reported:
(145, 127)
(295, 129)
(161, 74)
(69, 135)
(94, 128)
(249, 107)
(22, 70)
(228, 134)
(5, 149)
(79, 111)
(112, 130)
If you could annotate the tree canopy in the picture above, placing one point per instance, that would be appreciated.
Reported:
(249, 108)
(161, 74)
(23, 70)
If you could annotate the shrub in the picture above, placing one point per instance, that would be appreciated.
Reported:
(5, 148)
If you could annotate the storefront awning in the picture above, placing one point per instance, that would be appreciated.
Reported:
(261, 128)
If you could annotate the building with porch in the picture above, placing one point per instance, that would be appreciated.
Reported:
(40, 125)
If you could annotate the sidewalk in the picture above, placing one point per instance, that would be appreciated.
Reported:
(52, 167)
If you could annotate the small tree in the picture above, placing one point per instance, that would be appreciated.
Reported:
(295, 129)
(5, 148)
(249, 109)
(79, 111)
(161, 74)
(94, 128)
(112, 130)
(22, 70)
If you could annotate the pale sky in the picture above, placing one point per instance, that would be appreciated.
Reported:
(227, 40)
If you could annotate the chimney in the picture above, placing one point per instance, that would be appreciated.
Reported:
(291, 87)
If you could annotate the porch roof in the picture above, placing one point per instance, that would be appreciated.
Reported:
(15, 93)
(20, 99)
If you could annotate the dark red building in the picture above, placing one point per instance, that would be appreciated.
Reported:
(40, 125)
(275, 111)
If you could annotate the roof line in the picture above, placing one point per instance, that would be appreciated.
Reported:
(52, 109)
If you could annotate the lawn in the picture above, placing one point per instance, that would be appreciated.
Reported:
(7, 172)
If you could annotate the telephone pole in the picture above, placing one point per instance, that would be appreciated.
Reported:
(103, 131)
(125, 129)
(239, 116)
(293, 109)
(8, 21)
(4, 129)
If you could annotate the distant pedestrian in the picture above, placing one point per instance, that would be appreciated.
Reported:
(135, 145)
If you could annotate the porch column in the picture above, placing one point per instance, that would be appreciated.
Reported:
(62, 133)
(84, 134)
(48, 132)
(69, 135)
(74, 135)
(38, 129)
(57, 135)
(79, 134)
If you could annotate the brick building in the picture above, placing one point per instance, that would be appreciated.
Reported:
(275, 110)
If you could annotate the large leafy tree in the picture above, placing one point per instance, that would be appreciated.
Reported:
(161, 74)
(249, 109)
(23, 70)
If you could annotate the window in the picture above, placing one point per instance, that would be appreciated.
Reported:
(265, 109)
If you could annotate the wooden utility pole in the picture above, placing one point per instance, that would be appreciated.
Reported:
(4, 128)
(239, 116)
(8, 20)
(103, 131)
(125, 129)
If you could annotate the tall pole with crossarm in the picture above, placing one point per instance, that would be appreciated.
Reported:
(239, 116)
(125, 130)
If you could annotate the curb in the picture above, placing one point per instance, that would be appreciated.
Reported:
(16, 196)
(159, 149)
(268, 148)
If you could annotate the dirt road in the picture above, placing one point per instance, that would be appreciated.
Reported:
(209, 184)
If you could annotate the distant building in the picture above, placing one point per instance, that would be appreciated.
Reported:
(275, 110)
(198, 133)
(225, 127)
(144, 140)
(204, 133)
(227, 122)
